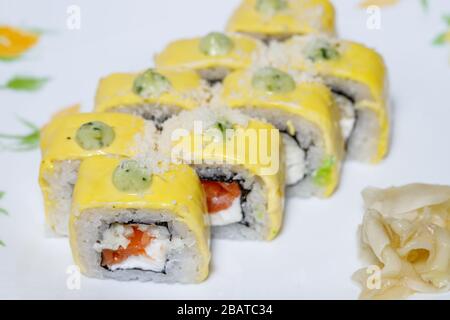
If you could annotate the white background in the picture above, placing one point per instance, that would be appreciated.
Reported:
(316, 253)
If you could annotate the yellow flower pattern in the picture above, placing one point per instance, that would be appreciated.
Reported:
(15, 42)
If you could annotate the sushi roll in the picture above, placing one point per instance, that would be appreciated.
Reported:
(134, 221)
(357, 77)
(305, 113)
(281, 19)
(155, 95)
(67, 140)
(240, 165)
(212, 56)
(405, 235)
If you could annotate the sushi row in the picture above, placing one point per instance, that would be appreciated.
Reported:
(304, 112)
(209, 141)
(135, 207)
(308, 99)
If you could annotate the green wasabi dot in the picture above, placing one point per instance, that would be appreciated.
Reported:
(95, 135)
(151, 84)
(322, 50)
(271, 7)
(216, 44)
(130, 176)
(273, 81)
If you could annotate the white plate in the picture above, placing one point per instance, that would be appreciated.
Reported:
(316, 253)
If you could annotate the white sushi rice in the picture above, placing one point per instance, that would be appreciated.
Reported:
(182, 260)
(61, 182)
(363, 144)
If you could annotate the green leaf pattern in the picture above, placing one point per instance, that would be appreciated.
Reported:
(26, 142)
(29, 140)
(25, 83)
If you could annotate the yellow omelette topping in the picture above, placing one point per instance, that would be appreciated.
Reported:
(299, 17)
(58, 138)
(310, 101)
(187, 54)
(379, 3)
(116, 90)
(14, 42)
(255, 147)
(353, 62)
(177, 191)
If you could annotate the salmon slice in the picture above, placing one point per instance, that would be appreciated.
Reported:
(220, 195)
(139, 240)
